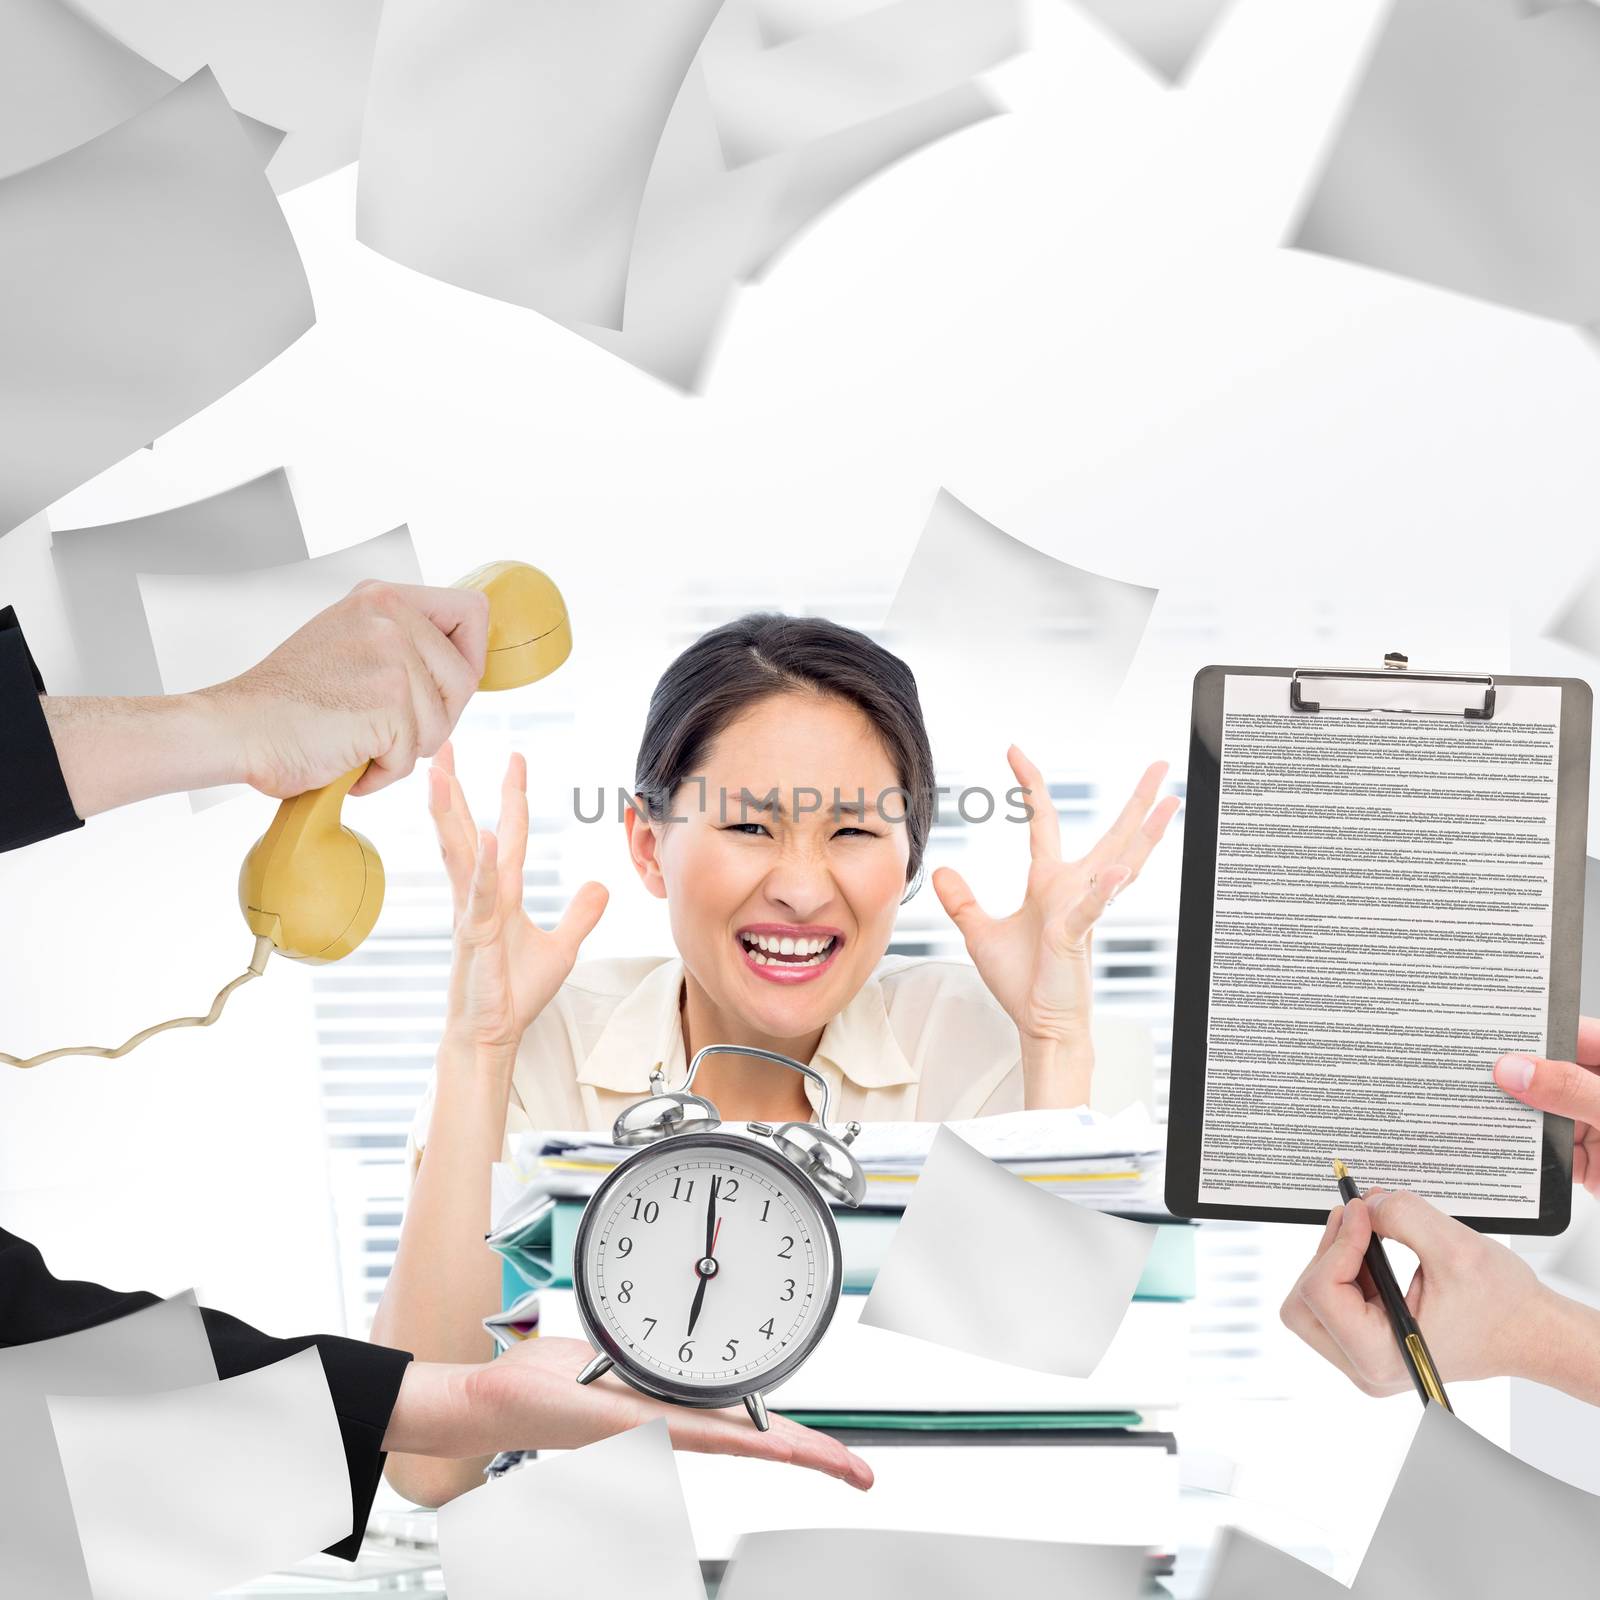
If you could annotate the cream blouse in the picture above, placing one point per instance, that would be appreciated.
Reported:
(923, 1040)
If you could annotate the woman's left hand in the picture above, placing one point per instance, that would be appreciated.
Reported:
(1036, 961)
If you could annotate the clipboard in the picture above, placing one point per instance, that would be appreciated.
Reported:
(1322, 692)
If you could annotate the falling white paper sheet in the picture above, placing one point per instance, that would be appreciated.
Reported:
(865, 1564)
(1005, 641)
(695, 227)
(300, 65)
(780, 21)
(1242, 1567)
(1465, 1518)
(983, 1262)
(181, 1493)
(63, 80)
(507, 145)
(553, 1523)
(702, 228)
(816, 176)
(180, 281)
(210, 626)
(1165, 34)
(863, 68)
(161, 1347)
(252, 525)
(1578, 622)
(1466, 159)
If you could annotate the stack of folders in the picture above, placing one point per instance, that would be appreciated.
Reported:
(958, 1443)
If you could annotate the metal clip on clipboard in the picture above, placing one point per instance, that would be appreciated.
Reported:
(1393, 664)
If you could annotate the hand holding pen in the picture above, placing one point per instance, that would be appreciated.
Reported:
(1414, 1353)
(1485, 1312)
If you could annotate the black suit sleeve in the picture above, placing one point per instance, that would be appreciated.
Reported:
(34, 803)
(364, 1379)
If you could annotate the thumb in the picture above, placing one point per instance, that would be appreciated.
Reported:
(1422, 1228)
(959, 902)
(582, 913)
(1559, 1086)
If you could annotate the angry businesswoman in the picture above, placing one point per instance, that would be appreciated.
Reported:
(784, 794)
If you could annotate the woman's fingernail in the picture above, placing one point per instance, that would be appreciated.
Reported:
(1514, 1073)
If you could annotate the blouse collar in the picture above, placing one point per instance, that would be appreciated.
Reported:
(857, 1046)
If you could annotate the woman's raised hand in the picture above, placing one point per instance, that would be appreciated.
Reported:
(506, 968)
(1036, 961)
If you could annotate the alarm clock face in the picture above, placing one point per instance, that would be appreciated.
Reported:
(707, 1268)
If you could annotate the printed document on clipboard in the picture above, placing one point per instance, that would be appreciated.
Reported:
(1385, 895)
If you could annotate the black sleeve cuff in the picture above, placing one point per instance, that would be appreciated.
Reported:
(364, 1380)
(34, 803)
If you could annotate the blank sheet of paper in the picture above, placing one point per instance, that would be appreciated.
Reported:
(1007, 641)
(1466, 1519)
(1381, 933)
(182, 279)
(181, 1493)
(818, 175)
(553, 1526)
(254, 524)
(63, 80)
(300, 65)
(695, 226)
(209, 626)
(161, 1347)
(984, 1262)
(1165, 34)
(1466, 159)
(1241, 1567)
(507, 145)
(863, 1564)
(837, 77)
(1578, 621)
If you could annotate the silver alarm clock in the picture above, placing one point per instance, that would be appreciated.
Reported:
(706, 1266)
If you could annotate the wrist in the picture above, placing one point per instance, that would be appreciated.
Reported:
(436, 1414)
(115, 750)
(463, 1057)
(1056, 1071)
(1562, 1345)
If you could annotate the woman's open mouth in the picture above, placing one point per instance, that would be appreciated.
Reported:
(788, 958)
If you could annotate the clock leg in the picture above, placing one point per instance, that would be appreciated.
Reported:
(757, 1407)
(597, 1368)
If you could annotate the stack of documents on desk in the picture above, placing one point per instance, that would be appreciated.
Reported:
(1111, 1163)
(1071, 1484)
(959, 1442)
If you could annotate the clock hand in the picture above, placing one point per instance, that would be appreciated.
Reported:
(712, 1229)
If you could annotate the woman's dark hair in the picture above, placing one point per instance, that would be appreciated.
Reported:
(726, 671)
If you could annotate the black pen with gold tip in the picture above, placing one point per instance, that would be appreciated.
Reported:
(1413, 1347)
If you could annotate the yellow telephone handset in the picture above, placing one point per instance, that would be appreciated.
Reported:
(313, 886)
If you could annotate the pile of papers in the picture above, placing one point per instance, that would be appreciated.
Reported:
(1110, 1163)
